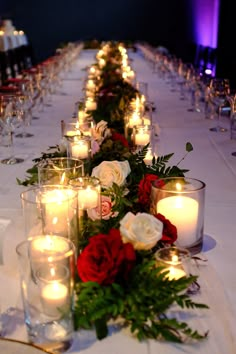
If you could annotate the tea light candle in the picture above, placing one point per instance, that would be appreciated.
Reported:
(88, 198)
(54, 297)
(175, 273)
(142, 137)
(80, 150)
(182, 211)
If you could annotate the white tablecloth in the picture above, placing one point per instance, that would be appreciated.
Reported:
(211, 162)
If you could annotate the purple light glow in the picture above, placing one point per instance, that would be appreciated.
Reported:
(206, 19)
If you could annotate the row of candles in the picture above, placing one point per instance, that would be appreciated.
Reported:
(63, 209)
(138, 120)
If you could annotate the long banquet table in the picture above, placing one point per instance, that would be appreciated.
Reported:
(210, 161)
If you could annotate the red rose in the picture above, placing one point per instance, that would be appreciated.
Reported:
(106, 258)
(169, 233)
(145, 186)
(119, 137)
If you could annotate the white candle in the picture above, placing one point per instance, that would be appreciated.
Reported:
(182, 211)
(142, 138)
(54, 297)
(80, 150)
(91, 105)
(58, 210)
(88, 198)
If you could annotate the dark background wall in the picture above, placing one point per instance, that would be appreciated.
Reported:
(226, 54)
(48, 23)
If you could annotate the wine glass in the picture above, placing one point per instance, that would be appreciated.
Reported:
(219, 89)
(9, 120)
(24, 105)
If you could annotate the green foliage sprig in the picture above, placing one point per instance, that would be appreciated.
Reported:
(32, 173)
(143, 305)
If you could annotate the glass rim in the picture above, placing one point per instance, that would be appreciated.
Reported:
(201, 186)
(58, 256)
(46, 186)
(85, 178)
(72, 139)
(77, 162)
(184, 253)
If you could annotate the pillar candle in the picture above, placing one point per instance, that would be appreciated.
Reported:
(182, 211)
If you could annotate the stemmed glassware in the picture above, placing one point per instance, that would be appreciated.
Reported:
(219, 89)
(196, 89)
(9, 120)
(24, 104)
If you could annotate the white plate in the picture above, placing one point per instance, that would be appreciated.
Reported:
(10, 346)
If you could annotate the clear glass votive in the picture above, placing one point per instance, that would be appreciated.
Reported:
(59, 170)
(182, 201)
(79, 147)
(175, 260)
(51, 209)
(89, 200)
(47, 268)
(71, 129)
(142, 135)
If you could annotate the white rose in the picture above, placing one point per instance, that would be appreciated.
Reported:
(142, 230)
(109, 172)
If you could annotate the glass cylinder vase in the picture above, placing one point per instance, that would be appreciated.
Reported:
(142, 135)
(47, 268)
(79, 147)
(182, 201)
(175, 260)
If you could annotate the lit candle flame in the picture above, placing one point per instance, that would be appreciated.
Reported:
(175, 258)
(178, 187)
(52, 272)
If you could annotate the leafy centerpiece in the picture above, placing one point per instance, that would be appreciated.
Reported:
(118, 276)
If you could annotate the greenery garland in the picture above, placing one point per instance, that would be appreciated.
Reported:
(144, 300)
